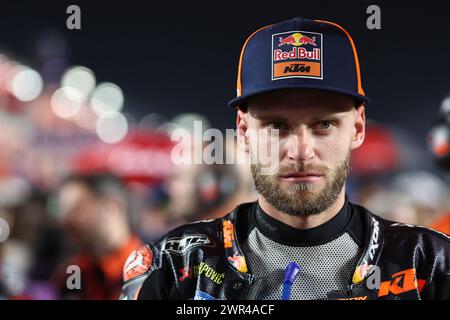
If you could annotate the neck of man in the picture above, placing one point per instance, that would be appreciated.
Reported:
(304, 222)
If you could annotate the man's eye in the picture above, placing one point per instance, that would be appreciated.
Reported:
(277, 125)
(324, 125)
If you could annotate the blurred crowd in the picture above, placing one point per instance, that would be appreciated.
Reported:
(82, 185)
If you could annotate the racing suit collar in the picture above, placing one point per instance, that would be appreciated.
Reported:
(285, 234)
(373, 246)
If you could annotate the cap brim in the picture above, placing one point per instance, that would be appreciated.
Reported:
(239, 100)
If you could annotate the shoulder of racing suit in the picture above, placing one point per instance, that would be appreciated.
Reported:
(204, 261)
(417, 261)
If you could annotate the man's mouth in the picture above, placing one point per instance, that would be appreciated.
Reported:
(303, 176)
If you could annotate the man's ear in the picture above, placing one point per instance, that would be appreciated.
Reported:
(242, 128)
(359, 127)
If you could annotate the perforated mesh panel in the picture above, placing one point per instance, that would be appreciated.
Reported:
(323, 268)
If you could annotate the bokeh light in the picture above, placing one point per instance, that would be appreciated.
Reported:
(4, 230)
(26, 84)
(112, 127)
(80, 78)
(107, 97)
(65, 102)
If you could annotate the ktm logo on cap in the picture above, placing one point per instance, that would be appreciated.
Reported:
(297, 67)
(297, 54)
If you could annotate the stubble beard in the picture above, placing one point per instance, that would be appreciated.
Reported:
(300, 199)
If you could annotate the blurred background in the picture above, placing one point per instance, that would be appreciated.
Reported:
(86, 117)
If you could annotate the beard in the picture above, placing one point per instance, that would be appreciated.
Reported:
(300, 199)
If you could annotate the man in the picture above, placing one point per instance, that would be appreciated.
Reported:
(94, 211)
(302, 239)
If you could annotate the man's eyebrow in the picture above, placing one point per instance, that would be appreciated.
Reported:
(332, 116)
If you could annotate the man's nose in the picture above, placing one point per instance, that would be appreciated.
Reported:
(300, 146)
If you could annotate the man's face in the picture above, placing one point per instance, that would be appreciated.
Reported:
(317, 131)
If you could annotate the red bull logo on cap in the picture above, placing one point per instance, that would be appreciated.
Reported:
(297, 54)
(297, 39)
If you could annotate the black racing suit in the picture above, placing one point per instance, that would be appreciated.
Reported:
(205, 260)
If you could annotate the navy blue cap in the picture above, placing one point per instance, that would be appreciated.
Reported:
(299, 53)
